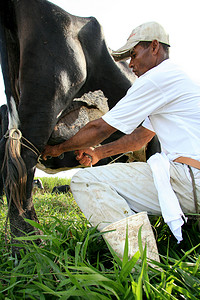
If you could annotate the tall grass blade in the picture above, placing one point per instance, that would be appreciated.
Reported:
(10, 286)
(196, 267)
(129, 266)
(114, 254)
(140, 241)
(125, 254)
(185, 256)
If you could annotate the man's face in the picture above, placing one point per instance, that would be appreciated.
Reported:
(142, 59)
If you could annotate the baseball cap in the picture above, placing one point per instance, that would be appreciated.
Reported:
(146, 32)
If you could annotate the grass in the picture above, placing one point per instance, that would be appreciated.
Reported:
(74, 262)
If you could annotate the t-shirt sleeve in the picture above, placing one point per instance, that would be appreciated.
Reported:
(141, 100)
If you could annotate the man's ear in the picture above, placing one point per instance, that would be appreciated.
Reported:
(155, 46)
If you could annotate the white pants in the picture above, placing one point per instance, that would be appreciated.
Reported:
(110, 193)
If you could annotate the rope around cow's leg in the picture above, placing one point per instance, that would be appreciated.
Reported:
(14, 131)
(10, 134)
(13, 155)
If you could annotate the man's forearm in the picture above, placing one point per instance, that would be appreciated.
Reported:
(131, 142)
(90, 135)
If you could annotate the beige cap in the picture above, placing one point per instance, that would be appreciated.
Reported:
(146, 32)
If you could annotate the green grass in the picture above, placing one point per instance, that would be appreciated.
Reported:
(74, 262)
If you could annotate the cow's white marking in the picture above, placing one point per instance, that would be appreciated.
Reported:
(58, 116)
(13, 116)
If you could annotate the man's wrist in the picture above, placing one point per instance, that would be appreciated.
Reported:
(60, 149)
(98, 152)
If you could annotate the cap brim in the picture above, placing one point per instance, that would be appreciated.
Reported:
(123, 53)
(120, 56)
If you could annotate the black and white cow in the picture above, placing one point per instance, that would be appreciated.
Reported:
(48, 58)
(37, 183)
(61, 189)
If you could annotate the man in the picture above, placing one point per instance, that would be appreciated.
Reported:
(169, 102)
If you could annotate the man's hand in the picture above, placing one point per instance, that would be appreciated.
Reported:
(87, 157)
(52, 151)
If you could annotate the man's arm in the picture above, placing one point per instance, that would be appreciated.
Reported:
(130, 142)
(91, 134)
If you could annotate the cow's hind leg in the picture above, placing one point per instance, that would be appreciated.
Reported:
(17, 215)
(18, 172)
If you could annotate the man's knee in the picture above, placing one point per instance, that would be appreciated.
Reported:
(78, 178)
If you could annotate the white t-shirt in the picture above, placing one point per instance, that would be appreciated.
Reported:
(170, 100)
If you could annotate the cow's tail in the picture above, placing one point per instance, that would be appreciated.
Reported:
(13, 163)
(15, 167)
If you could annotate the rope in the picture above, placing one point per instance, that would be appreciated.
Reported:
(11, 134)
(118, 157)
(90, 157)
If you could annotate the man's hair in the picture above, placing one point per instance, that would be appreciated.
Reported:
(147, 44)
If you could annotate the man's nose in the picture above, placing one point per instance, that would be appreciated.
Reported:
(131, 63)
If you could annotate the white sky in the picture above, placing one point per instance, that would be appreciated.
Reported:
(180, 18)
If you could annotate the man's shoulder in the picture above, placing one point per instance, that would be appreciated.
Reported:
(158, 76)
(165, 66)
(166, 70)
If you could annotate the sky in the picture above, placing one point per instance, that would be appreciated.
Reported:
(180, 18)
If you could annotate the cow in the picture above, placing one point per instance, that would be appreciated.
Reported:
(61, 189)
(48, 58)
(37, 183)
